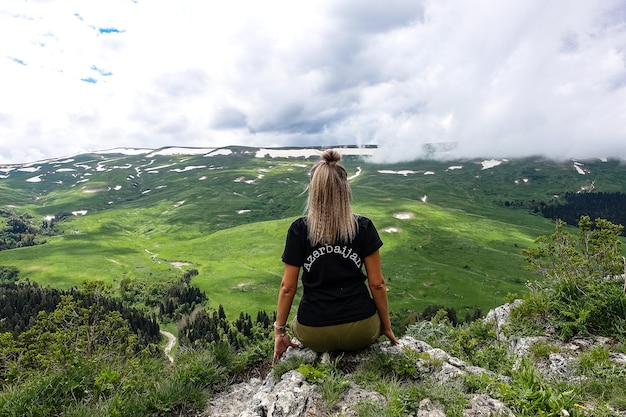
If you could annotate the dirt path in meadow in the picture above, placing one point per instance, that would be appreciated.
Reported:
(171, 342)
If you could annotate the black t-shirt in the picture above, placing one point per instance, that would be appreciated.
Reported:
(332, 275)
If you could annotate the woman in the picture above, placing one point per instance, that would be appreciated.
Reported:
(331, 245)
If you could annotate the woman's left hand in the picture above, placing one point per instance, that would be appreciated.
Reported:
(281, 344)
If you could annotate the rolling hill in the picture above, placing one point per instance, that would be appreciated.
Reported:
(453, 231)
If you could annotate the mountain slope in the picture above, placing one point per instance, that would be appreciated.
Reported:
(453, 230)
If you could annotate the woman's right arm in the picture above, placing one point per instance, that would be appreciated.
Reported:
(378, 289)
(288, 287)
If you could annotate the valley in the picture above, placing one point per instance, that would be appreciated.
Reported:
(453, 231)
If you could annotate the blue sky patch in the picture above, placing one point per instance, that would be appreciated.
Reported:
(109, 30)
(19, 61)
(89, 80)
(101, 71)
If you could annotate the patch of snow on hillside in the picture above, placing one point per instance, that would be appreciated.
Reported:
(490, 163)
(453, 167)
(202, 178)
(239, 179)
(429, 173)
(188, 168)
(287, 153)
(79, 212)
(29, 169)
(243, 211)
(218, 152)
(403, 172)
(579, 168)
(356, 174)
(179, 203)
(181, 151)
(117, 187)
(424, 198)
(4, 176)
(35, 179)
(307, 153)
(403, 216)
(604, 159)
(125, 151)
(160, 166)
(145, 192)
(50, 217)
(391, 230)
(66, 170)
(97, 190)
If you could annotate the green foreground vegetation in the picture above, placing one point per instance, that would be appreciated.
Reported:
(79, 360)
(193, 243)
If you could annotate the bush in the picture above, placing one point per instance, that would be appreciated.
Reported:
(580, 292)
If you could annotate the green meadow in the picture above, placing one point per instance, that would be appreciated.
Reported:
(452, 237)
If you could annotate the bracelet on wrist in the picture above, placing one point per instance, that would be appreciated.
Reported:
(277, 327)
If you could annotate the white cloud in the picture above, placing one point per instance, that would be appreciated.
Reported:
(496, 79)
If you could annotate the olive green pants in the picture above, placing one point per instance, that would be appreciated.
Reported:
(340, 337)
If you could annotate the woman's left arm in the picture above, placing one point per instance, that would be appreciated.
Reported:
(376, 282)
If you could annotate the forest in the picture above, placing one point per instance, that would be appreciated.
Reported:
(22, 229)
(596, 205)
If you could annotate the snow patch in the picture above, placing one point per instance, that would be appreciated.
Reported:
(356, 174)
(453, 167)
(580, 168)
(181, 151)
(424, 198)
(29, 169)
(491, 163)
(429, 173)
(218, 152)
(125, 151)
(307, 153)
(35, 179)
(189, 168)
(243, 211)
(391, 230)
(403, 172)
(79, 212)
(403, 216)
(97, 190)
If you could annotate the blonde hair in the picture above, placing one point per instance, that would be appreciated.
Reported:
(329, 212)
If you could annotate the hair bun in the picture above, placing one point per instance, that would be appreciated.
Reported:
(329, 156)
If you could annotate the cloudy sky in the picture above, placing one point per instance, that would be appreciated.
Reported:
(484, 78)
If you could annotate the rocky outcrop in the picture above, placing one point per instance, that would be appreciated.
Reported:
(291, 394)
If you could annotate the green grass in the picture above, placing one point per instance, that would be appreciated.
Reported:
(461, 248)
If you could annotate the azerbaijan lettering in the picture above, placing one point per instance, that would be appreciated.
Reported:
(344, 251)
